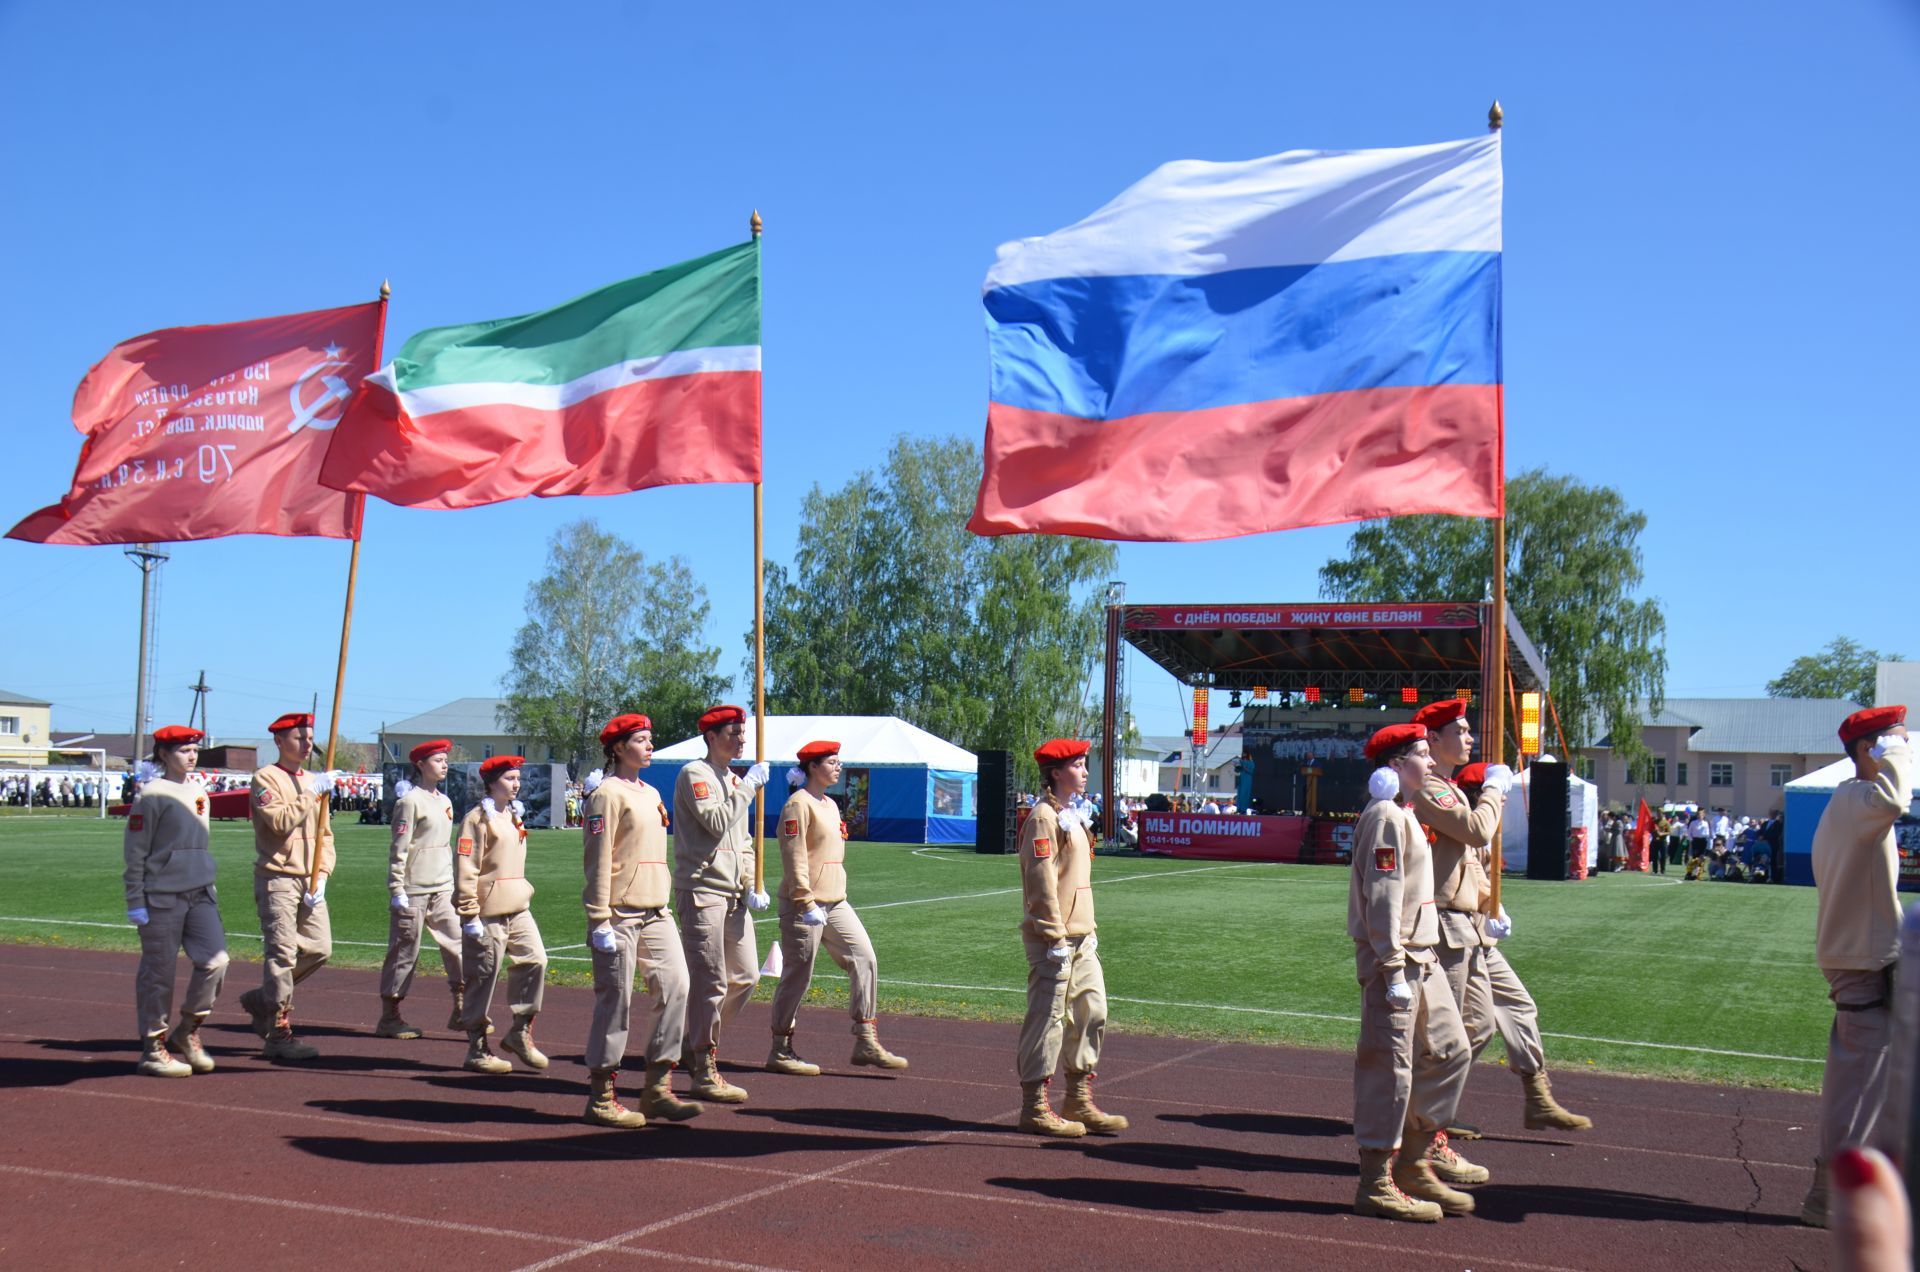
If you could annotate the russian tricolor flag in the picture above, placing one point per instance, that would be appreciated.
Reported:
(1231, 348)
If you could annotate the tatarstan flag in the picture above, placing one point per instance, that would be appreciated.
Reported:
(654, 381)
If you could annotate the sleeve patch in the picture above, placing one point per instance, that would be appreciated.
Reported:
(466, 846)
(1386, 859)
(137, 822)
(597, 824)
(1043, 848)
(399, 828)
(792, 826)
(265, 796)
(1445, 799)
(701, 790)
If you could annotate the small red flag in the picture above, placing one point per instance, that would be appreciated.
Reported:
(201, 432)
(1639, 856)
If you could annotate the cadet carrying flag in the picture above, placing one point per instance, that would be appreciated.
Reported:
(649, 382)
(1231, 348)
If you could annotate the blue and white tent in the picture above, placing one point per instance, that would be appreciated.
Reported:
(1807, 798)
(900, 784)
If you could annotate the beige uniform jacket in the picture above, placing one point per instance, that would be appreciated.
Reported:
(1856, 866)
(490, 866)
(286, 825)
(1462, 856)
(166, 841)
(1390, 912)
(1056, 875)
(625, 826)
(712, 830)
(813, 853)
(421, 859)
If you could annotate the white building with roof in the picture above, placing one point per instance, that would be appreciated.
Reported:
(475, 726)
(1732, 753)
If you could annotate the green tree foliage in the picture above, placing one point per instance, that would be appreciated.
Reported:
(1844, 669)
(607, 631)
(893, 607)
(1573, 571)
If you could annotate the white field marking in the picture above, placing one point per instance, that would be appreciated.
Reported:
(305, 1206)
(128, 927)
(922, 852)
(581, 946)
(810, 1178)
(1004, 892)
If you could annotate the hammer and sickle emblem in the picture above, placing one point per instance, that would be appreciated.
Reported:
(308, 414)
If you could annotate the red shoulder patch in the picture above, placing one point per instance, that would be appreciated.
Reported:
(265, 796)
(1043, 848)
(400, 828)
(1445, 799)
(466, 846)
(701, 790)
(137, 822)
(597, 824)
(1386, 859)
(792, 826)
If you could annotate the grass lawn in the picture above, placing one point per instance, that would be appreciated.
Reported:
(1633, 973)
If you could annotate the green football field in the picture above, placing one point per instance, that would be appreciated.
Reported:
(1633, 973)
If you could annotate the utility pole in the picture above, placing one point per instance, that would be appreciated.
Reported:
(148, 559)
(200, 690)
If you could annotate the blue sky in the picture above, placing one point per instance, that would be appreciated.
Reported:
(1710, 270)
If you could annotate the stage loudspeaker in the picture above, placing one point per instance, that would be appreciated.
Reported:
(993, 819)
(1548, 841)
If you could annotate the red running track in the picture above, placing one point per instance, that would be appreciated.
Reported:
(385, 1153)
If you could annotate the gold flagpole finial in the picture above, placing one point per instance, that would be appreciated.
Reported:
(1495, 117)
(386, 290)
(755, 223)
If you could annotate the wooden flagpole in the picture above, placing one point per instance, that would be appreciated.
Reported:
(346, 620)
(759, 660)
(1495, 748)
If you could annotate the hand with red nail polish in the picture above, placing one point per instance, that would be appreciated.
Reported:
(1870, 1222)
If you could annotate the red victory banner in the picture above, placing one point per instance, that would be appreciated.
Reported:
(200, 432)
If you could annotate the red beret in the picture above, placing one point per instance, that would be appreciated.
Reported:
(292, 720)
(490, 769)
(1059, 751)
(1871, 723)
(718, 717)
(1474, 774)
(1394, 735)
(818, 750)
(621, 725)
(1436, 714)
(177, 735)
(425, 749)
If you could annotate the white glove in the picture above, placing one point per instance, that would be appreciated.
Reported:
(1061, 952)
(318, 894)
(1500, 927)
(756, 901)
(473, 928)
(320, 783)
(757, 775)
(813, 916)
(138, 916)
(401, 787)
(1384, 784)
(1400, 994)
(601, 938)
(1499, 778)
(399, 902)
(1885, 740)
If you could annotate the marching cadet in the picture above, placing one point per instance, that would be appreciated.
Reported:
(629, 926)
(420, 890)
(1066, 990)
(713, 844)
(814, 909)
(491, 894)
(1485, 987)
(296, 932)
(1856, 866)
(171, 899)
(1411, 1065)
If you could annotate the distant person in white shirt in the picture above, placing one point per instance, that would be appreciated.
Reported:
(1211, 806)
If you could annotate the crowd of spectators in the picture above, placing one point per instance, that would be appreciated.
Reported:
(1704, 843)
(21, 790)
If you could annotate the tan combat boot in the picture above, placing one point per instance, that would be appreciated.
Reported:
(604, 1107)
(155, 1062)
(657, 1099)
(282, 1045)
(1544, 1112)
(1037, 1116)
(1079, 1107)
(261, 1012)
(185, 1039)
(457, 1021)
(519, 1041)
(1813, 1210)
(480, 1057)
(1413, 1175)
(1451, 1167)
(707, 1082)
(783, 1060)
(391, 1025)
(867, 1049)
(1379, 1198)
